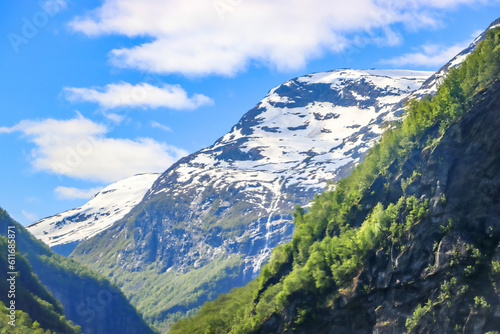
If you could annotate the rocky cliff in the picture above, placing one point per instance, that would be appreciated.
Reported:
(444, 277)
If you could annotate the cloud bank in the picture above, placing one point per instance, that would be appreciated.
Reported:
(222, 37)
(80, 148)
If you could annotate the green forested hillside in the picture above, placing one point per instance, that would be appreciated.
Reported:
(24, 324)
(407, 243)
(51, 285)
(37, 309)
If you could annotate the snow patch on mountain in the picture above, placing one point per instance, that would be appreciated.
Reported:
(382, 77)
(100, 212)
(306, 144)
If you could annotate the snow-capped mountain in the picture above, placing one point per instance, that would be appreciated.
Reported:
(65, 230)
(214, 216)
(303, 134)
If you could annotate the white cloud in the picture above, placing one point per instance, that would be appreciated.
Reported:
(142, 95)
(75, 193)
(155, 124)
(114, 118)
(432, 55)
(4, 129)
(29, 216)
(202, 37)
(79, 148)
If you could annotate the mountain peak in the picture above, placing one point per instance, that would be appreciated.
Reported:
(221, 210)
(63, 231)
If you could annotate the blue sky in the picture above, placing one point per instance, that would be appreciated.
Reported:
(95, 91)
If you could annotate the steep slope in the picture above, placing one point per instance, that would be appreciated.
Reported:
(64, 231)
(210, 221)
(409, 242)
(88, 299)
(32, 308)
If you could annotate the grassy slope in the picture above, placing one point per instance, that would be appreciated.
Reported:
(172, 295)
